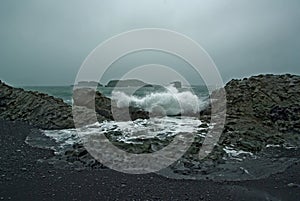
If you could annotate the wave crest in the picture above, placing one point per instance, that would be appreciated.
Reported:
(170, 102)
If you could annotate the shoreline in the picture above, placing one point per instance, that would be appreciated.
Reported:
(258, 115)
(24, 178)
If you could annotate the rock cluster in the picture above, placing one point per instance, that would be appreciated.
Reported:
(77, 158)
(41, 110)
(261, 110)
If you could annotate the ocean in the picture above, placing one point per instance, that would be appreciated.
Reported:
(65, 92)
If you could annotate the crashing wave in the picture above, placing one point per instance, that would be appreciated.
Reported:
(170, 102)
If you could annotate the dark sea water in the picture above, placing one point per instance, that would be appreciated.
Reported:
(65, 92)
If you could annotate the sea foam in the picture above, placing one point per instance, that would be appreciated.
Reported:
(171, 101)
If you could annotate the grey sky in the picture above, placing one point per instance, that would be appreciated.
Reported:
(44, 42)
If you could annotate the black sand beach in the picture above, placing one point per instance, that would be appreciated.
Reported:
(23, 177)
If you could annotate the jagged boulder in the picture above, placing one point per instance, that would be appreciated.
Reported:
(87, 97)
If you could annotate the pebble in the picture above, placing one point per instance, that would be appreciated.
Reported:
(293, 185)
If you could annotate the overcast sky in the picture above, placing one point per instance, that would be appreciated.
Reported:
(44, 42)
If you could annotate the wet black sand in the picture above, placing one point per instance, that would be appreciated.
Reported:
(22, 177)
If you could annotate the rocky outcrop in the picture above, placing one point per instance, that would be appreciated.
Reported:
(176, 84)
(105, 107)
(261, 110)
(47, 112)
(41, 110)
(261, 135)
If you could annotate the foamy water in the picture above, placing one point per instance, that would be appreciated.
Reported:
(170, 102)
(130, 131)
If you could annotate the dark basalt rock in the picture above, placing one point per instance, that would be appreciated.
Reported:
(261, 110)
(107, 108)
(37, 109)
